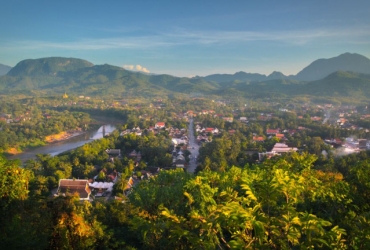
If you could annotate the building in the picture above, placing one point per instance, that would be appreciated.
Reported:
(282, 148)
(113, 153)
(278, 149)
(72, 186)
(160, 125)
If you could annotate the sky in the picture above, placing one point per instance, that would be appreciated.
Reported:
(186, 38)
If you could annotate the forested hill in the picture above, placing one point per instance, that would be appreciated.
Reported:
(314, 71)
(340, 84)
(51, 66)
(344, 62)
(4, 69)
(57, 75)
(242, 76)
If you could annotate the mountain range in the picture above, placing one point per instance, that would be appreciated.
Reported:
(4, 69)
(347, 75)
(315, 71)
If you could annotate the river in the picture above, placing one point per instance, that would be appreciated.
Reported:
(63, 146)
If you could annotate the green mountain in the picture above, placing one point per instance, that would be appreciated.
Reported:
(48, 76)
(4, 69)
(58, 75)
(239, 76)
(315, 71)
(257, 89)
(51, 66)
(340, 84)
(246, 77)
(344, 62)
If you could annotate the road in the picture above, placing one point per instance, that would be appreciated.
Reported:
(327, 116)
(193, 147)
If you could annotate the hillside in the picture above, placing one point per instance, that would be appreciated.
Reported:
(4, 69)
(340, 84)
(344, 62)
(51, 66)
(58, 75)
(47, 76)
(240, 76)
(257, 89)
(315, 71)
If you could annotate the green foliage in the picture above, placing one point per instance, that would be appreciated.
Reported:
(259, 208)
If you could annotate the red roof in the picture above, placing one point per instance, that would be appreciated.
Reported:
(209, 129)
(258, 138)
(272, 131)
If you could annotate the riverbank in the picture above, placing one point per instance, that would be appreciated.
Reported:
(56, 148)
(62, 136)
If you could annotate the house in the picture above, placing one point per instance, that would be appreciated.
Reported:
(282, 148)
(280, 136)
(315, 119)
(72, 186)
(135, 155)
(272, 131)
(113, 153)
(258, 139)
(278, 149)
(125, 132)
(243, 119)
(180, 163)
(211, 130)
(160, 125)
(101, 187)
(178, 159)
(228, 119)
(341, 121)
(177, 141)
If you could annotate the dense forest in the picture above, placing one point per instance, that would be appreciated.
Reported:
(290, 202)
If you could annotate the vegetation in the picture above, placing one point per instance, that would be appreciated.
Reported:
(315, 198)
(281, 203)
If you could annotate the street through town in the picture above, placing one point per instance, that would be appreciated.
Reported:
(193, 147)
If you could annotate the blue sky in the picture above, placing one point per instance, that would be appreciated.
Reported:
(186, 38)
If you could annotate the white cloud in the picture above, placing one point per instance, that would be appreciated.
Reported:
(136, 68)
(141, 68)
(129, 67)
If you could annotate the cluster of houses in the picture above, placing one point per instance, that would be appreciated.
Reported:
(8, 118)
(203, 133)
(191, 113)
(178, 138)
(350, 143)
(138, 131)
(278, 133)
